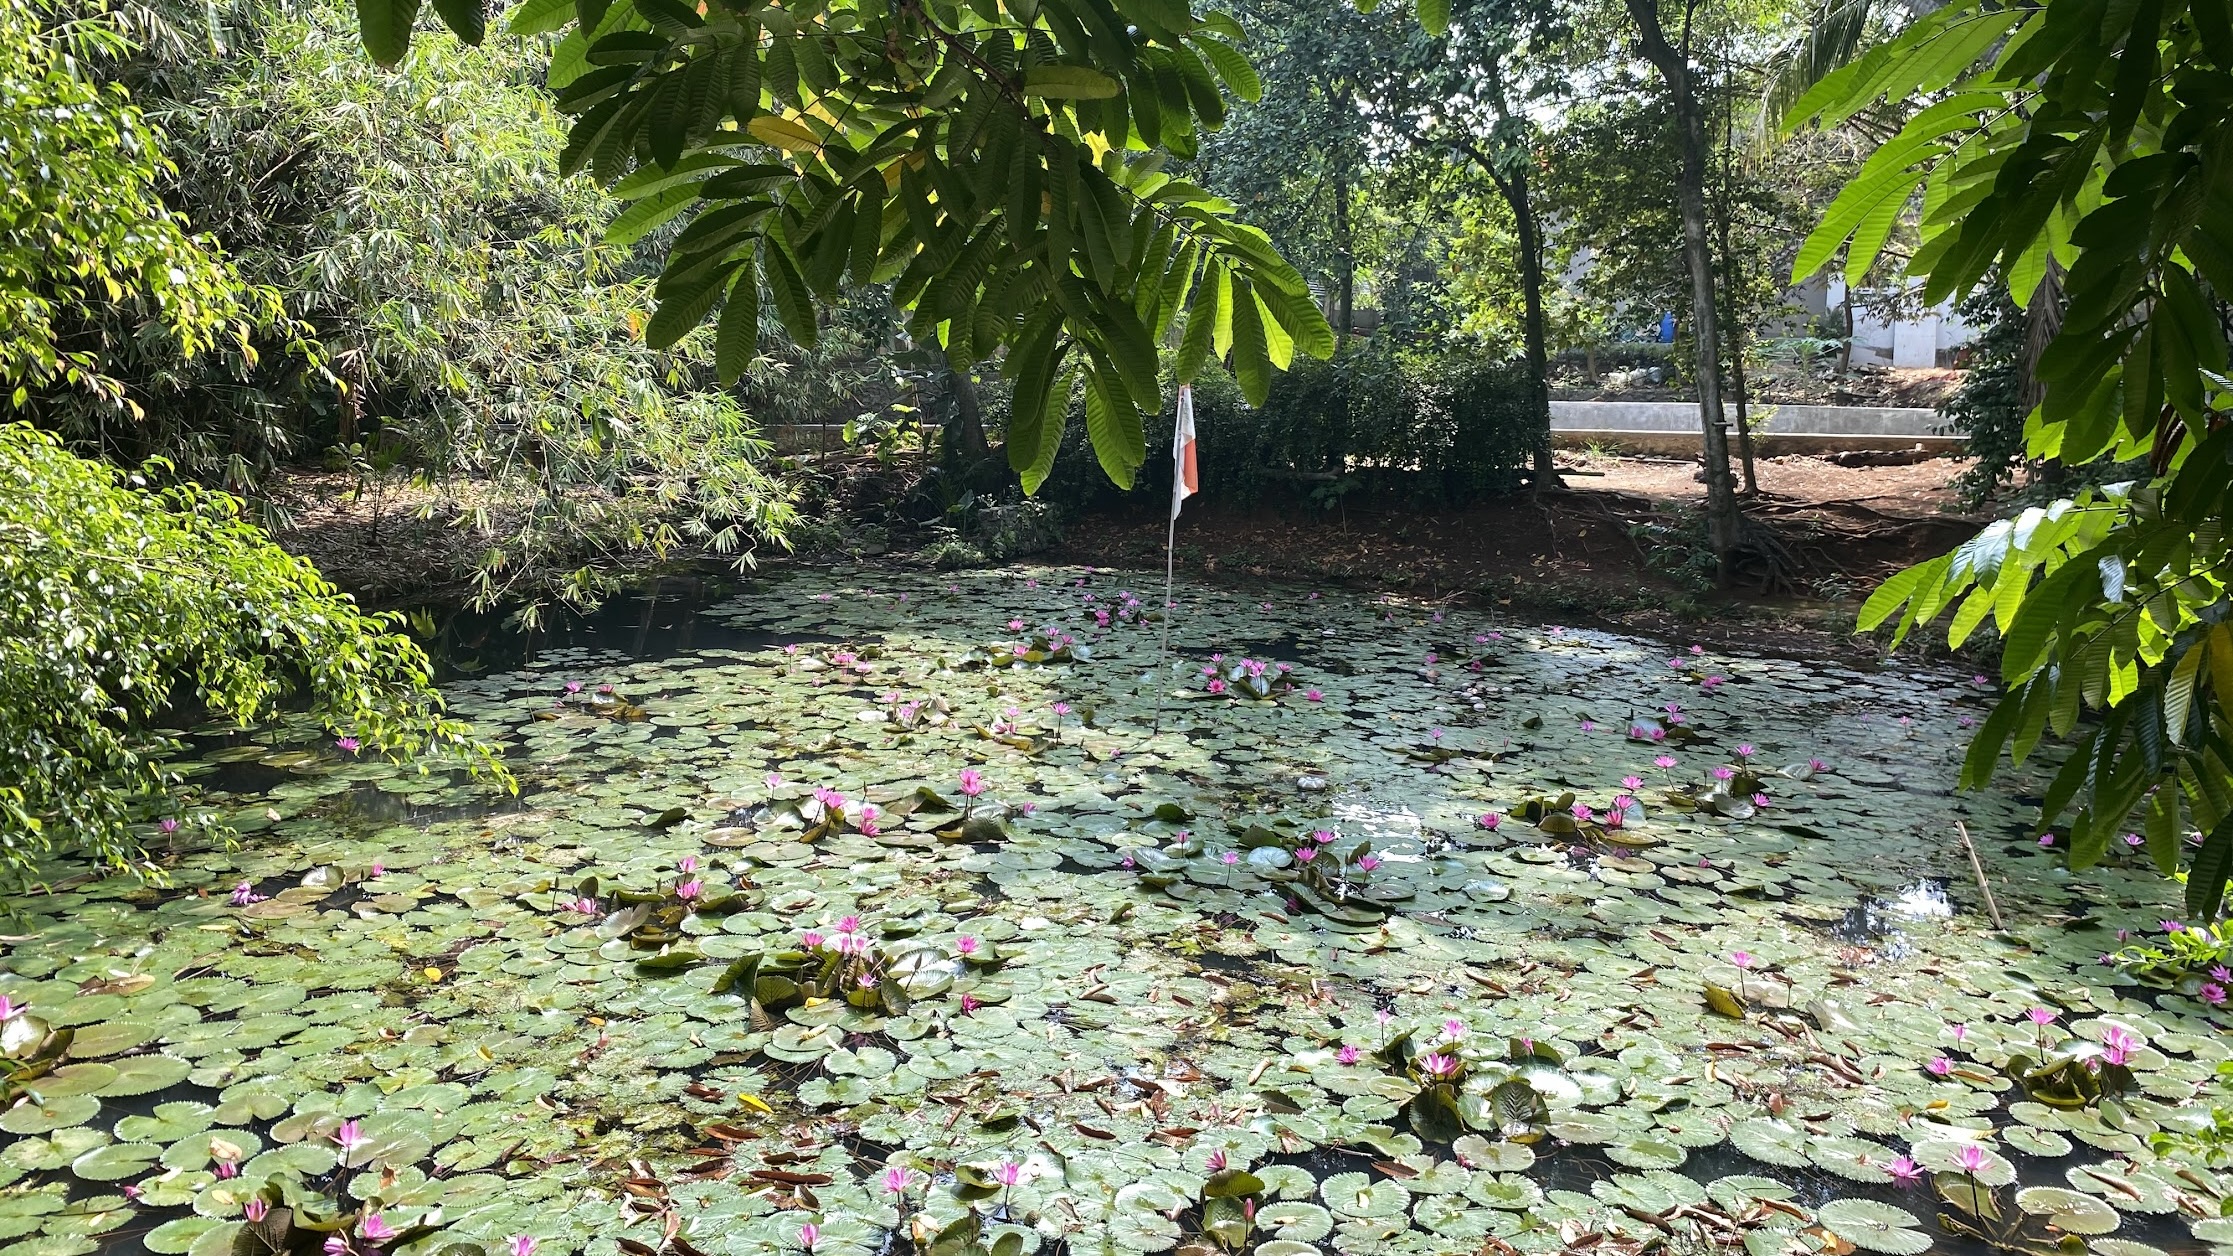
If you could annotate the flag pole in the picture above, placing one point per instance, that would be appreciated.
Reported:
(1163, 648)
(1184, 482)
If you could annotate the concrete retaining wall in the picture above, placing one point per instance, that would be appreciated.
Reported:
(1682, 416)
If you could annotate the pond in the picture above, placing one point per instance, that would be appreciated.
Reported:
(897, 911)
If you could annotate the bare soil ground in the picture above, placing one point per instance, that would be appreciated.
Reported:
(1618, 546)
(1615, 547)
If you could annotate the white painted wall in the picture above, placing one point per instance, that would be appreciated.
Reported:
(1927, 339)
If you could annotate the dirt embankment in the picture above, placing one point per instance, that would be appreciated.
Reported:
(1615, 547)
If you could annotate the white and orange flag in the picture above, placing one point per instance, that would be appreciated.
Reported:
(1185, 480)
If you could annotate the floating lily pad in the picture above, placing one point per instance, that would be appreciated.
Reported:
(1875, 1227)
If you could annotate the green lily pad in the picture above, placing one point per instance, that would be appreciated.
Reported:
(1875, 1227)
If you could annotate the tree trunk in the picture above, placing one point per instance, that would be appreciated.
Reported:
(1722, 518)
(1345, 266)
(965, 428)
(1736, 337)
(1845, 350)
(1511, 181)
(1538, 352)
(2042, 321)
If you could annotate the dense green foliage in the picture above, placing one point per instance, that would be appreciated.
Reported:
(81, 221)
(1989, 408)
(2095, 141)
(470, 325)
(1000, 167)
(122, 606)
(1427, 428)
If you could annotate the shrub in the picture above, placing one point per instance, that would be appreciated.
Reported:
(1440, 428)
(119, 604)
(1989, 407)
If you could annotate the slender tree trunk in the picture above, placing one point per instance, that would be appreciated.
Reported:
(1845, 350)
(1735, 333)
(1345, 266)
(1538, 352)
(1722, 518)
(1511, 180)
(2042, 321)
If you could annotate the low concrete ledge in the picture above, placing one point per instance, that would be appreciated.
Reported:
(1685, 444)
(1675, 416)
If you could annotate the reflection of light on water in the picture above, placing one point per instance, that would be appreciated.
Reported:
(1875, 922)
(1924, 900)
(1397, 835)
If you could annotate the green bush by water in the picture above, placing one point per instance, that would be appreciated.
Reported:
(1432, 428)
(114, 600)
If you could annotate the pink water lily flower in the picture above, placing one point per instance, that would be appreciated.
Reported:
(1489, 820)
(2040, 1016)
(1742, 959)
(1632, 782)
(811, 941)
(1940, 1067)
(1007, 1173)
(1313, 696)
(972, 782)
(1368, 862)
(349, 745)
(688, 891)
(349, 1136)
(1217, 1160)
(9, 1007)
(256, 1209)
(1307, 853)
(524, 1244)
(1971, 1158)
(1347, 1055)
(809, 1235)
(375, 1228)
(1663, 762)
(1904, 1171)
(1440, 1066)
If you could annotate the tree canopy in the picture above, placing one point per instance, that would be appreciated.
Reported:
(966, 154)
(2081, 155)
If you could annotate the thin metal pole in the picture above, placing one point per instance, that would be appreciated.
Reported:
(1170, 566)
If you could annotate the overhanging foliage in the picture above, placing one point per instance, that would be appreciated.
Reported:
(999, 165)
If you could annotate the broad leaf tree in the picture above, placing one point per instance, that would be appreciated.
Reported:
(2094, 139)
(999, 163)
(1672, 54)
(1475, 95)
